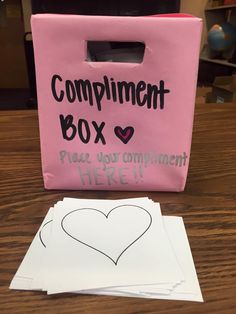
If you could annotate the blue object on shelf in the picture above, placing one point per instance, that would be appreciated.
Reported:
(222, 37)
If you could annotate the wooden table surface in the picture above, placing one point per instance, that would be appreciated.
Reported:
(208, 206)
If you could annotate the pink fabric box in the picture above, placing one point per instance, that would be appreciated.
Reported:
(116, 125)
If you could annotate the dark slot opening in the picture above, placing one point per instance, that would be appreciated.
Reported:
(113, 51)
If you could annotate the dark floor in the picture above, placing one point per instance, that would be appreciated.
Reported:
(13, 99)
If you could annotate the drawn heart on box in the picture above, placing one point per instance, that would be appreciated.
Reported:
(110, 234)
(124, 134)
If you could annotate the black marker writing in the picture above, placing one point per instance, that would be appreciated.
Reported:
(140, 94)
(83, 128)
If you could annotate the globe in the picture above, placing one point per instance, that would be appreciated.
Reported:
(222, 37)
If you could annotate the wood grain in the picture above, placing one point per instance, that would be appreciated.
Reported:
(208, 206)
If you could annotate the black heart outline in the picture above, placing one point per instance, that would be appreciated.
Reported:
(40, 233)
(114, 261)
(118, 129)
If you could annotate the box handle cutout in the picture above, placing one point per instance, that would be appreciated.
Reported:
(115, 51)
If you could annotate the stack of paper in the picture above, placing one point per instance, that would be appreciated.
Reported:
(110, 247)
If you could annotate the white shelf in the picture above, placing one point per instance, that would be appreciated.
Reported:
(226, 7)
(222, 62)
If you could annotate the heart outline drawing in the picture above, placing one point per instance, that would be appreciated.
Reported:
(115, 261)
(41, 233)
(124, 134)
